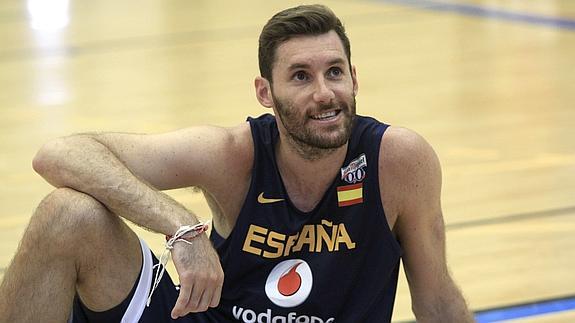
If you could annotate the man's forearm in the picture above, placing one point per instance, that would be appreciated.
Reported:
(448, 306)
(455, 310)
(84, 164)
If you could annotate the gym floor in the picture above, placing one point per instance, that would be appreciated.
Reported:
(490, 84)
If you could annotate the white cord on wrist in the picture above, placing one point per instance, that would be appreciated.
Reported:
(190, 232)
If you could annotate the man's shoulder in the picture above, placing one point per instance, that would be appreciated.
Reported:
(239, 143)
(400, 146)
(240, 134)
(216, 153)
(407, 159)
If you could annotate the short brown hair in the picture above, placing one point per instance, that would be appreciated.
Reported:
(300, 20)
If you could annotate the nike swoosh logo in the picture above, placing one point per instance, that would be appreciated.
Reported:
(264, 200)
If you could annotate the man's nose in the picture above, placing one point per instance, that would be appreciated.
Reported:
(323, 93)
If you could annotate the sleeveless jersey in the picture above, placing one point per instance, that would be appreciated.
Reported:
(337, 263)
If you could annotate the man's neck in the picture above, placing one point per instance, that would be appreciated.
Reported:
(307, 179)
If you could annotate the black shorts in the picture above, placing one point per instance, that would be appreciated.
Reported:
(133, 309)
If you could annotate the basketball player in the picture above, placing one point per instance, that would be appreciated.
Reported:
(312, 209)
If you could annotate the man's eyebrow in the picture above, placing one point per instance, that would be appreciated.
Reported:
(296, 66)
(336, 61)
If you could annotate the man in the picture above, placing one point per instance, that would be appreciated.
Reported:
(312, 209)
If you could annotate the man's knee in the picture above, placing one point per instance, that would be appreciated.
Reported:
(68, 214)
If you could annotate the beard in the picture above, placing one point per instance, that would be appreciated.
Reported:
(309, 142)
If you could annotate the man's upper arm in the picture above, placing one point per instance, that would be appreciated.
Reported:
(411, 182)
(187, 157)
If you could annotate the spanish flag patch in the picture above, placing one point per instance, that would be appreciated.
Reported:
(349, 194)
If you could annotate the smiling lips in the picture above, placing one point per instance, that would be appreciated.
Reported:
(325, 115)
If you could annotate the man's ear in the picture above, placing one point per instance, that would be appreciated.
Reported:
(264, 92)
(354, 80)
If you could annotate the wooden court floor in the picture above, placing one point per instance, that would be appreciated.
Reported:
(491, 84)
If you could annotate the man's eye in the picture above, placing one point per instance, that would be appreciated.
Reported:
(335, 72)
(300, 76)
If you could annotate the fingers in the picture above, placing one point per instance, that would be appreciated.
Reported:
(215, 301)
(182, 302)
(197, 301)
(198, 296)
(204, 302)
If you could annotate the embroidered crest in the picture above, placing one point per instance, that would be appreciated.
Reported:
(354, 172)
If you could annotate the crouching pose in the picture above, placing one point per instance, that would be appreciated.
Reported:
(313, 207)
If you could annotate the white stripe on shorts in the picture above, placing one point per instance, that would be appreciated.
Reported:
(138, 302)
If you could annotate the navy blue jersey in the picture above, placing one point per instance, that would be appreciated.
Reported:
(337, 263)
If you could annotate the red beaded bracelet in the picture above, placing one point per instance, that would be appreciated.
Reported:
(188, 233)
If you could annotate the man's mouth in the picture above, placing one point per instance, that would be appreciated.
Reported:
(326, 115)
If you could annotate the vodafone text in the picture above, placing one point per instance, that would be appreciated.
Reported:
(250, 316)
(270, 244)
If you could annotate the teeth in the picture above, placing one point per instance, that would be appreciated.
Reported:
(324, 115)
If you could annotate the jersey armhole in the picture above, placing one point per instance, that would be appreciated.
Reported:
(389, 232)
